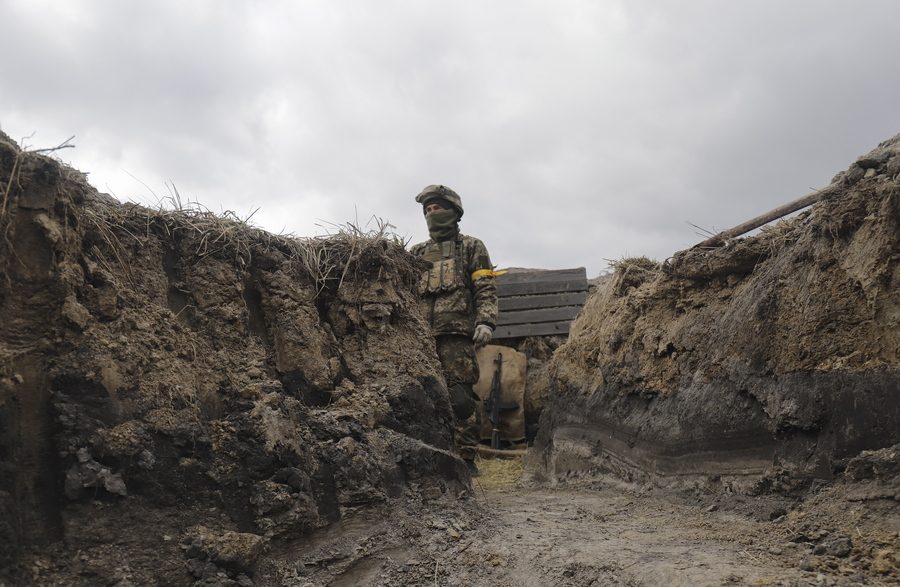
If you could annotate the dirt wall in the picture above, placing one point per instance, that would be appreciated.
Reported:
(757, 366)
(180, 392)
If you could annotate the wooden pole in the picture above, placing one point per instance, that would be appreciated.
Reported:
(798, 204)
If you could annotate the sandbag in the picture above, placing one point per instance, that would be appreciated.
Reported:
(512, 388)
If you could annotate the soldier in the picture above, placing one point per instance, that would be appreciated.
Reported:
(460, 302)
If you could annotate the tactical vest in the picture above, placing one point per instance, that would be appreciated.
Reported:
(445, 274)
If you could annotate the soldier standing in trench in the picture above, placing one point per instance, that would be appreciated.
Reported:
(460, 303)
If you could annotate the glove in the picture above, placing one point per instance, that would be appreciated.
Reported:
(482, 335)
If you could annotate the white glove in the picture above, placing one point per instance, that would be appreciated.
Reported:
(482, 335)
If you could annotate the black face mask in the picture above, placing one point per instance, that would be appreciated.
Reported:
(442, 224)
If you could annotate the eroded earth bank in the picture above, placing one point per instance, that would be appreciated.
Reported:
(187, 400)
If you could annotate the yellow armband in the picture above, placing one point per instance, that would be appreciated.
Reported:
(486, 273)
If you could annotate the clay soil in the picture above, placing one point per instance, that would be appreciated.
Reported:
(614, 534)
(610, 533)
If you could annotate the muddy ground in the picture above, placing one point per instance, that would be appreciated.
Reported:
(188, 400)
(609, 532)
(504, 534)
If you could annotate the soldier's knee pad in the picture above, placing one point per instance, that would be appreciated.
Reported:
(461, 400)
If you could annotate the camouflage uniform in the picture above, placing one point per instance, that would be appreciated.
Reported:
(459, 294)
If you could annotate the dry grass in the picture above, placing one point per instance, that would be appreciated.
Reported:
(499, 474)
(210, 233)
(624, 264)
(325, 259)
(780, 234)
(194, 230)
(376, 229)
(328, 258)
(189, 224)
(782, 228)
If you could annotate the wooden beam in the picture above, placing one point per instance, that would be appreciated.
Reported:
(543, 329)
(798, 204)
(549, 275)
(541, 287)
(538, 315)
(543, 301)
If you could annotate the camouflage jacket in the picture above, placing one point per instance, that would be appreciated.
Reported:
(459, 291)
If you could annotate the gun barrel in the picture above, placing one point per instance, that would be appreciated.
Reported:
(494, 415)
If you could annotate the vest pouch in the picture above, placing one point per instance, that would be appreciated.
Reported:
(443, 275)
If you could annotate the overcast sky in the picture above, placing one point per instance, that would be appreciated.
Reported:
(575, 131)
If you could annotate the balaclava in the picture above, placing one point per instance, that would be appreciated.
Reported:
(443, 225)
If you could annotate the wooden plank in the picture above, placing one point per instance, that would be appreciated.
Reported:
(539, 303)
(551, 275)
(543, 301)
(541, 287)
(538, 315)
(543, 329)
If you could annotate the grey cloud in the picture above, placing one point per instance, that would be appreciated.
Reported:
(575, 131)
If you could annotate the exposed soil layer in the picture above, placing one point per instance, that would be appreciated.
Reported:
(755, 367)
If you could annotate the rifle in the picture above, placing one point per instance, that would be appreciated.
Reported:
(494, 405)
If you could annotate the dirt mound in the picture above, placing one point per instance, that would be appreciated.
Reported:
(758, 366)
(180, 392)
(767, 367)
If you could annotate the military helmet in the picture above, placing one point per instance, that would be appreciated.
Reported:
(441, 192)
